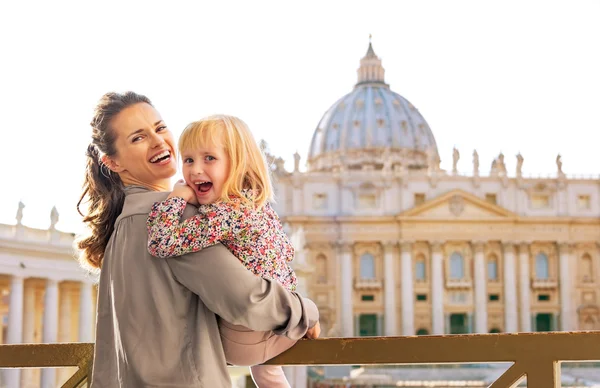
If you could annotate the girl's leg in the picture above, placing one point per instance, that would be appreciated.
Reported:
(269, 376)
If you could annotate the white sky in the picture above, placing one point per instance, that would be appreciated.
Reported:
(497, 76)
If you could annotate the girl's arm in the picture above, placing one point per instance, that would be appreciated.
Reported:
(168, 236)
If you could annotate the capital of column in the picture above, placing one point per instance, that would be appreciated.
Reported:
(478, 246)
(524, 246)
(436, 246)
(564, 247)
(343, 246)
(389, 245)
(406, 246)
(508, 246)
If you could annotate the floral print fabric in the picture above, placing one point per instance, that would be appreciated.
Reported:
(255, 236)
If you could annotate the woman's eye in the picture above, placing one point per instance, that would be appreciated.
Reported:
(135, 139)
(161, 128)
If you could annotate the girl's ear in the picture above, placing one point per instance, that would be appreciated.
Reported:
(112, 164)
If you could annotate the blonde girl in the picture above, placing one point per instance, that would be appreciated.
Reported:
(227, 176)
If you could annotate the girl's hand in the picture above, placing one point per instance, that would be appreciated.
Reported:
(181, 189)
(314, 332)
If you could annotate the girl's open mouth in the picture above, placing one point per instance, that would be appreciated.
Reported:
(203, 187)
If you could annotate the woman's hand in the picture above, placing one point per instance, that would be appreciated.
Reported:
(314, 332)
(182, 190)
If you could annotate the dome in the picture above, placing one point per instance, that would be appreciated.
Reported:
(372, 125)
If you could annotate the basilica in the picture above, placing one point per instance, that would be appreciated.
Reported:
(387, 242)
(394, 245)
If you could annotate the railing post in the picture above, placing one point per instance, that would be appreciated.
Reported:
(543, 374)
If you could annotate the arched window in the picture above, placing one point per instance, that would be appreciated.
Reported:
(492, 268)
(420, 269)
(494, 330)
(542, 270)
(586, 267)
(321, 267)
(422, 332)
(367, 266)
(457, 266)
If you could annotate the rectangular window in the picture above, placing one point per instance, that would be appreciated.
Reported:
(319, 201)
(543, 297)
(492, 270)
(421, 297)
(367, 298)
(367, 201)
(494, 297)
(540, 201)
(491, 198)
(419, 198)
(584, 202)
(420, 270)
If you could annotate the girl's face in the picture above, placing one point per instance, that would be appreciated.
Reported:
(145, 148)
(205, 170)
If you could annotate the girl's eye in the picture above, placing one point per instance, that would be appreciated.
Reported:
(188, 160)
(210, 158)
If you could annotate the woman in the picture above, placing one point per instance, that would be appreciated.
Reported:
(156, 324)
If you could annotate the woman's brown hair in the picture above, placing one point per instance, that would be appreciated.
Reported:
(103, 190)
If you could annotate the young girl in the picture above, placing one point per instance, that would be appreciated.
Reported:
(226, 174)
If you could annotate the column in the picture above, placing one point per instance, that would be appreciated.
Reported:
(64, 328)
(524, 287)
(297, 197)
(408, 298)
(49, 334)
(86, 306)
(346, 313)
(437, 289)
(510, 287)
(389, 285)
(15, 327)
(565, 288)
(28, 332)
(481, 325)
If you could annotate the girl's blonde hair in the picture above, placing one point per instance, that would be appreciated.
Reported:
(248, 167)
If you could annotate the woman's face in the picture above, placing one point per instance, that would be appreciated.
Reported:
(145, 148)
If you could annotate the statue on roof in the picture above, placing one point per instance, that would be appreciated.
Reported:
(475, 163)
(559, 164)
(455, 158)
(520, 160)
(296, 162)
(53, 218)
(20, 213)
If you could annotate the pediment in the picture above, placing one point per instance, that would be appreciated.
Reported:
(458, 204)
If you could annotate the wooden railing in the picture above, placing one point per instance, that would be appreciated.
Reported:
(51, 356)
(535, 356)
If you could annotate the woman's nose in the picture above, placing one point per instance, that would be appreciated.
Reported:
(157, 140)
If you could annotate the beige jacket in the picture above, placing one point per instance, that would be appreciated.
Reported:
(156, 324)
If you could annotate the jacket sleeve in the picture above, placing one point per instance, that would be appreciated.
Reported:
(235, 294)
(169, 236)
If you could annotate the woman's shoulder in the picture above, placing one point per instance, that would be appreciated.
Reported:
(140, 202)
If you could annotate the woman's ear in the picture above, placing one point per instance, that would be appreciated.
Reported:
(112, 164)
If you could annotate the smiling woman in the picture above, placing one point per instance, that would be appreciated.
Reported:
(143, 154)
(110, 165)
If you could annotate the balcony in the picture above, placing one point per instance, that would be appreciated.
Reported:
(544, 284)
(535, 356)
(367, 284)
(459, 283)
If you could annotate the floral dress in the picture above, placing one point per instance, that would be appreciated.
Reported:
(255, 236)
